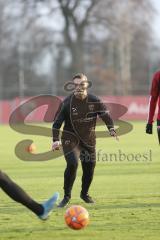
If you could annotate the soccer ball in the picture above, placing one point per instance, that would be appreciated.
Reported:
(31, 148)
(76, 217)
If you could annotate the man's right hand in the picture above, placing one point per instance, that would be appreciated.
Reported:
(56, 145)
(149, 128)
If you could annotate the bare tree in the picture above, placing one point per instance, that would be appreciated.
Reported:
(132, 16)
(123, 20)
(76, 18)
(95, 36)
(27, 38)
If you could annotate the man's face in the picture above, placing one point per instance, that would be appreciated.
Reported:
(80, 87)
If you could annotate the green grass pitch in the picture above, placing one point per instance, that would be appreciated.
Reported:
(127, 192)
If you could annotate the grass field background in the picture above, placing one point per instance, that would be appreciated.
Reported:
(127, 193)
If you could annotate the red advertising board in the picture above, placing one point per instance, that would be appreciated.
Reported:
(137, 108)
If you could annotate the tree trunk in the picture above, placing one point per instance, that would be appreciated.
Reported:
(125, 63)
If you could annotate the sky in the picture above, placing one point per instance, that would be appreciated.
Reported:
(156, 21)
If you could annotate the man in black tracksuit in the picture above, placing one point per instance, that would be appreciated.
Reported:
(79, 113)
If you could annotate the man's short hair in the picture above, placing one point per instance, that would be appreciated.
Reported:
(80, 76)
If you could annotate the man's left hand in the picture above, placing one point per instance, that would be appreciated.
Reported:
(113, 133)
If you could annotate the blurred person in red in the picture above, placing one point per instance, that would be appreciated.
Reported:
(154, 98)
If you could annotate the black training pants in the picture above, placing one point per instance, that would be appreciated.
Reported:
(15, 192)
(87, 156)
